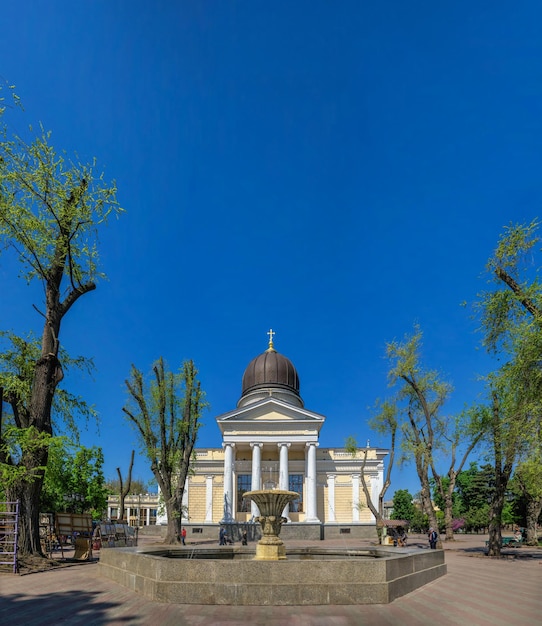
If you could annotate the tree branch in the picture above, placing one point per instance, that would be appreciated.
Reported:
(527, 303)
(74, 295)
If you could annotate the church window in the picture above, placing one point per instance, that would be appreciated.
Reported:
(244, 482)
(295, 483)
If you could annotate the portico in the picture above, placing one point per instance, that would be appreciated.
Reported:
(276, 442)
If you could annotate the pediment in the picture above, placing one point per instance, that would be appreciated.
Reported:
(270, 410)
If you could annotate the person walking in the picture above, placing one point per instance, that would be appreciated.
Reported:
(433, 537)
(183, 536)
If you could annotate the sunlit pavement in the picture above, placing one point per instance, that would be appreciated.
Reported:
(477, 590)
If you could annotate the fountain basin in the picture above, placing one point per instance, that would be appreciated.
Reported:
(310, 576)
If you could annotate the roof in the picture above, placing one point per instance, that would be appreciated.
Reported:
(395, 523)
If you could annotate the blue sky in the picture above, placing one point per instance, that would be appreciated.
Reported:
(334, 170)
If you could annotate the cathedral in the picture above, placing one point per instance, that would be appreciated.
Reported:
(270, 440)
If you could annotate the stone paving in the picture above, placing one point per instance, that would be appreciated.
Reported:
(476, 591)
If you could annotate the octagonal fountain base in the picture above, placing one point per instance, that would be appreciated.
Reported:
(308, 576)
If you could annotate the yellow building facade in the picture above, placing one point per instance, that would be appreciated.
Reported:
(270, 440)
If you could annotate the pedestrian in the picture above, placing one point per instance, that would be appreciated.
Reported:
(433, 537)
(183, 536)
(222, 537)
(244, 538)
(402, 537)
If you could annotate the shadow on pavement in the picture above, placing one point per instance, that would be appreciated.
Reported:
(69, 606)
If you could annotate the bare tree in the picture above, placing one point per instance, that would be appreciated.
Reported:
(125, 488)
(167, 418)
(385, 422)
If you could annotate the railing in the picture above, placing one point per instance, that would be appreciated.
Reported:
(9, 530)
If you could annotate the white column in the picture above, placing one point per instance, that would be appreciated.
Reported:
(228, 482)
(128, 515)
(184, 502)
(331, 498)
(149, 515)
(284, 482)
(355, 497)
(256, 482)
(311, 483)
(208, 498)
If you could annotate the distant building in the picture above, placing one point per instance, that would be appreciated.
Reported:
(387, 509)
(140, 509)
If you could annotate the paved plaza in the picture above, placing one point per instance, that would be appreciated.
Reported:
(476, 591)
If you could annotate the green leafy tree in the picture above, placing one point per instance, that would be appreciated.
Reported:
(51, 208)
(527, 483)
(475, 487)
(419, 522)
(511, 316)
(477, 519)
(403, 507)
(73, 469)
(16, 444)
(509, 515)
(167, 415)
(428, 434)
(89, 481)
(505, 439)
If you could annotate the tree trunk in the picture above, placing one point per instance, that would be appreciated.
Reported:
(173, 532)
(504, 461)
(448, 516)
(124, 489)
(173, 509)
(425, 494)
(379, 518)
(427, 505)
(534, 506)
(47, 375)
(28, 493)
(495, 516)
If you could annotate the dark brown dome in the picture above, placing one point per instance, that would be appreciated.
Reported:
(270, 370)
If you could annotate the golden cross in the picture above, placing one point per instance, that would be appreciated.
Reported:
(271, 334)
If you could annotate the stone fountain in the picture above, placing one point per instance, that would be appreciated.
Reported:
(310, 575)
(271, 503)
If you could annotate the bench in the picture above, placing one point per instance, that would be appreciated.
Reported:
(510, 542)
